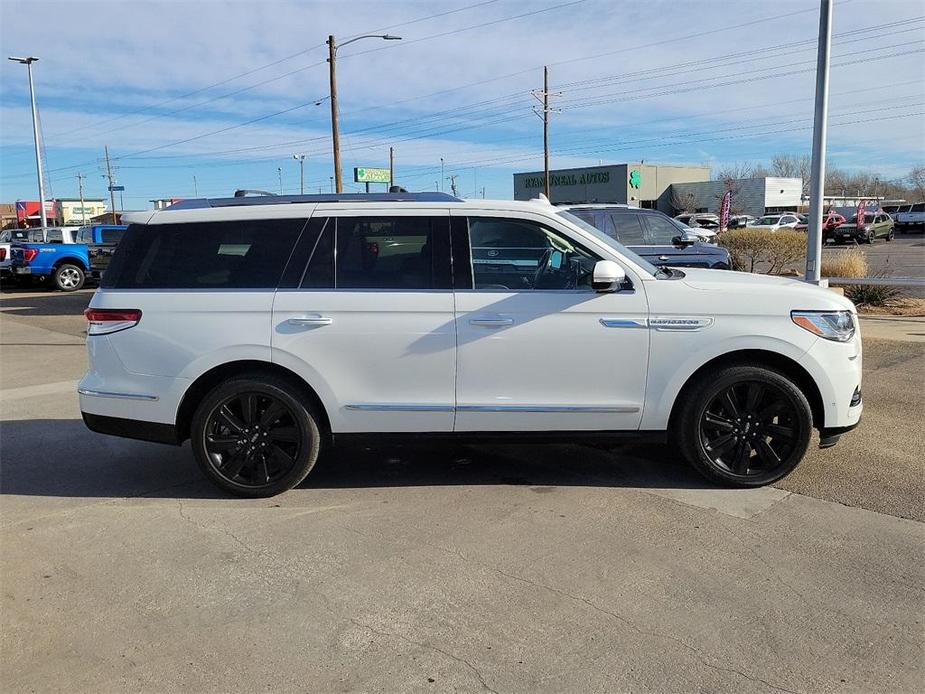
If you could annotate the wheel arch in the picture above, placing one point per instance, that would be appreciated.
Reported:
(72, 260)
(211, 378)
(757, 357)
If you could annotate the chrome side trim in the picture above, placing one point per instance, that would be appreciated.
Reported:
(397, 407)
(121, 396)
(623, 322)
(579, 409)
(680, 323)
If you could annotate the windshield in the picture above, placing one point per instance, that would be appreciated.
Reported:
(607, 240)
(767, 220)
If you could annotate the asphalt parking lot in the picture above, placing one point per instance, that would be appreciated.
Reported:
(505, 569)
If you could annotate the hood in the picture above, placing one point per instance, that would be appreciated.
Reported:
(791, 291)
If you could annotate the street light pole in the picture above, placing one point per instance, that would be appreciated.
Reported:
(35, 135)
(820, 124)
(335, 128)
(301, 159)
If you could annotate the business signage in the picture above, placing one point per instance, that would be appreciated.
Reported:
(635, 178)
(569, 179)
(29, 209)
(366, 174)
(116, 189)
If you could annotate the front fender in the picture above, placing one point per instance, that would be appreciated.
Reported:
(666, 379)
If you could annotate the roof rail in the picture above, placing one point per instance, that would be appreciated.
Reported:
(202, 203)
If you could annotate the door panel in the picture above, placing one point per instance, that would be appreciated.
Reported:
(380, 351)
(547, 359)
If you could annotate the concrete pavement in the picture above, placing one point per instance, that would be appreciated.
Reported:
(506, 569)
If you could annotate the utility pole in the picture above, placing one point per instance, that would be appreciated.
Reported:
(279, 171)
(452, 179)
(195, 188)
(80, 186)
(391, 167)
(441, 174)
(820, 124)
(112, 193)
(35, 136)
(335, 128)
(332, 184)
(543, 98)
(301, 159)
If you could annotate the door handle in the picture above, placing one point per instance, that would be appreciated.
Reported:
(663, 258)
(492, 322)
(316, 319)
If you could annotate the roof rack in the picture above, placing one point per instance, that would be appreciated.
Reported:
(201, 203)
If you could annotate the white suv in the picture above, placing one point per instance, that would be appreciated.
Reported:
(266, 329)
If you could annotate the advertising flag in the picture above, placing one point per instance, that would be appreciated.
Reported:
(724, 211)
(861, 213)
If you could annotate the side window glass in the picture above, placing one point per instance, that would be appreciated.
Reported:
(319, 274)
(111, 235)
(54, 236)
(392, 253)
(627, 229)
(661, 231)
(517, 255)
(83, 236)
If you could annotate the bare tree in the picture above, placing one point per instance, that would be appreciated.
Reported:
(739, 170)
(916, 182)
(793, 166)
(681, 202)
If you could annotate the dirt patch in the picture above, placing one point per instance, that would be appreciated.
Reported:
(895, 307)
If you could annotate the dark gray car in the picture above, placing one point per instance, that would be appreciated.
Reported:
(653, 235)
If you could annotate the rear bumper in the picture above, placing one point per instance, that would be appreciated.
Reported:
(131, 428)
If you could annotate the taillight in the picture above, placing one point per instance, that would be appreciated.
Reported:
(28, 254)
(2, 254)
(103, 321)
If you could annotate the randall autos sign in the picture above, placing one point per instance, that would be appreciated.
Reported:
(569, 179)
(365, 174)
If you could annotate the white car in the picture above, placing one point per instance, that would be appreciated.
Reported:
(266, 329)
(773, 222)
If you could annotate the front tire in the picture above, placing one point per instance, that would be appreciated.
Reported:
(744, 426)
(256, 435)
(69, 278)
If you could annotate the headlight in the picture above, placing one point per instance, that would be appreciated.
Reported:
(832, 325)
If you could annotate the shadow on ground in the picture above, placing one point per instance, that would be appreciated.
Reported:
(62, 458)
(36, 301)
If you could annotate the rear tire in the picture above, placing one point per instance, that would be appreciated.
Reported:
(743, 426)
(256, 435)
(68, 277)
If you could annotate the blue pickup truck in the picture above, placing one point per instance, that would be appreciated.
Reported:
(67, 264)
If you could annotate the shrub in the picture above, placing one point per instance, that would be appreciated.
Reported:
(848, 263)
(750, 247)
(872, 294)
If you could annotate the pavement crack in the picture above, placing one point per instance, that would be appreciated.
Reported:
(212, 528)
(452, 656)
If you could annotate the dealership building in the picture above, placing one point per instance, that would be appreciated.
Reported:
(639, 184)
(754, 196)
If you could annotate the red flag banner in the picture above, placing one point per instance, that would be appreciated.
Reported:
(724, 210)
(861, 213)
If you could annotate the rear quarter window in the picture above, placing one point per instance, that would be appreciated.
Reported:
(203, 255)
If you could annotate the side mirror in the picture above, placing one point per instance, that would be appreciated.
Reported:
(685, 239)
(608, 276)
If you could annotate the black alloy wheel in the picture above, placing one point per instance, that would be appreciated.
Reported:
(748, 429)
(744, 425)
(255, 436)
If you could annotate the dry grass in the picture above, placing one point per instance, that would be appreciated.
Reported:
(847, 263)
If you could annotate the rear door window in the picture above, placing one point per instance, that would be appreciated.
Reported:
(918, 207)
(203, 255)
(660, 231)
(626, 227)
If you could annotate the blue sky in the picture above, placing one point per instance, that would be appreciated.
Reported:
(225, 91)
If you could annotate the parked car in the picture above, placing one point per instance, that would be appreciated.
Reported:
(773, 222)
(65, 264)
(876, 225)
(652, 235)
(740, 220)
(696, 220)
(101, 240)
(266, 330)
(911, 218)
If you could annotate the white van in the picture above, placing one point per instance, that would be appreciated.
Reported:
(267, 329)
